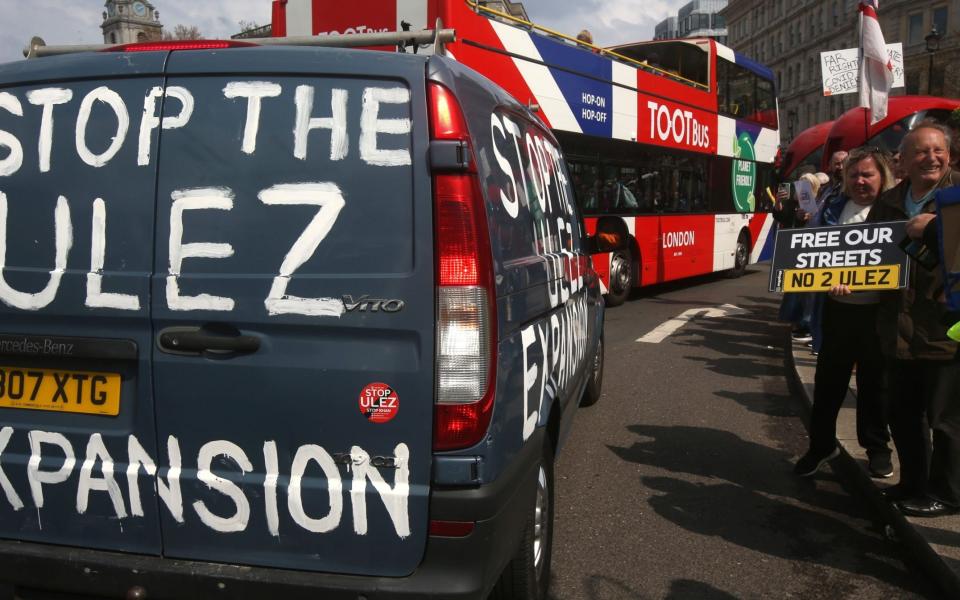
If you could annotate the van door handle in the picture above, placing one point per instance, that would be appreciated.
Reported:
(197, 340)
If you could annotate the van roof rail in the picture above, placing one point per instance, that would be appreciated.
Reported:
(438, 37)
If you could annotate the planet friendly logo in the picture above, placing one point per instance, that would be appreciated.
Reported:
(744, 174)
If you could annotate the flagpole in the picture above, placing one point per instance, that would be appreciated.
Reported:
(863, 80)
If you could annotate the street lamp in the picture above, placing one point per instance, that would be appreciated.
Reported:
(933, 44)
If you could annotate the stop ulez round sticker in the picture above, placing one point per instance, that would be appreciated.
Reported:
(379, 402)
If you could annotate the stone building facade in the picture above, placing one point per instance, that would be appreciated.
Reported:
(130, 21)
(788, 36)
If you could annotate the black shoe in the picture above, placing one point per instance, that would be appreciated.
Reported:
(811, 462)
(880, 466)
(899, 492)
(802, 335)
(926, 507)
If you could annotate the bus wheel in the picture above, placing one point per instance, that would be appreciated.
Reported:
(592, 392)
(527, 576)
(621, 277)
(740, 258)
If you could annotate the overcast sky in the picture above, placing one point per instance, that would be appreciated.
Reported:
(78, 21)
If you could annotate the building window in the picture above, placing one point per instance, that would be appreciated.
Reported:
(912, 82)
(915, 29)
(836, 13)
(113, 38)
(940, 19)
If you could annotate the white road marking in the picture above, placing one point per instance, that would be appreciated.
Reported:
(663, 331)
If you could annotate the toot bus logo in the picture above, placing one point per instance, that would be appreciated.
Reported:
(677, 127)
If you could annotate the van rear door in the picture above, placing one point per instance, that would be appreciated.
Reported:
(293, 302)
(77, 431)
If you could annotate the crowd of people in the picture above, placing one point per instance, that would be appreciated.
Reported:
(896, 342)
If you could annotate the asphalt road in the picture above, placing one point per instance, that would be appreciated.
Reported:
(677, 484)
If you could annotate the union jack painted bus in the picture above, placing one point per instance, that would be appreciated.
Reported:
(670, 144)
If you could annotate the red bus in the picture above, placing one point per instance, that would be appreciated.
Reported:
(903, 112)
(805, 152)
(668, 143)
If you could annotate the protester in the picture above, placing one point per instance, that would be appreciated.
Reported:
(834, 188)
(849, 334)
(797, 309)
(923, 363)
(793, 308)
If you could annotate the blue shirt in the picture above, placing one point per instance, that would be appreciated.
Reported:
(913, 208)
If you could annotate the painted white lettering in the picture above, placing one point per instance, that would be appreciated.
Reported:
(97, 452)
(195, 199)
(35, 476)
(151, 121)
(47, 98)
(527, 339)
(96, 298)
(12, 497)
(272, 475)
(115, 102)
(63, 240)
(536, 172)
(305, 454)
(168, 491)
(512, 206)
(237, 521)
(394, 499)
(254, 92)
(14, 160)
(371, 125)
(337, 124)
(330, 200)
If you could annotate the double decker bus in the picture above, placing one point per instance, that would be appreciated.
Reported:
(805, 152)
(669, 144)
(852, 129)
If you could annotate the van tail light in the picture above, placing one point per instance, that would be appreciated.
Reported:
(171, 45)
(451, 528)
(466, 309)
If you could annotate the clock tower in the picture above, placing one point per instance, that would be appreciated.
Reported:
(130, 21)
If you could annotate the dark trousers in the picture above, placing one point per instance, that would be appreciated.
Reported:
(850, 337)
(926, 396)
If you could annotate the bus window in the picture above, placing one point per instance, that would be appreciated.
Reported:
(618, 192)
(764, 182)
(889, 139)
(692, 186)
(742, 94)
(740, 83)
(687, 62)
(721, 191)
(584, 176)
(766, 111)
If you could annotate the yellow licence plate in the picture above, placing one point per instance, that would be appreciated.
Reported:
(61, 391)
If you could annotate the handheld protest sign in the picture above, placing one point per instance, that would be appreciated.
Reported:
(806, 197)
(865, 256)
(948, 233)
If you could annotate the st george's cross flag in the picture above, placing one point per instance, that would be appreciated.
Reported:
(876, 68)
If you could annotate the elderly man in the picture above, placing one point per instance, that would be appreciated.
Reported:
(924, 364)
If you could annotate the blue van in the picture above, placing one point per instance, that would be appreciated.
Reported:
(283, 322)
